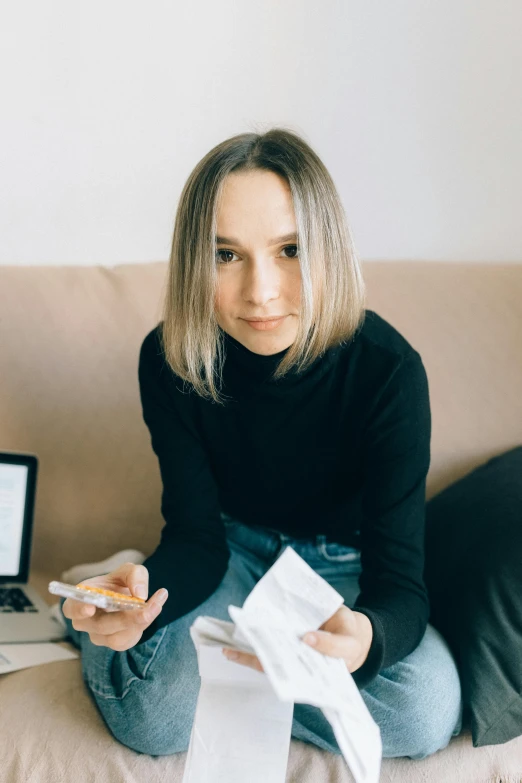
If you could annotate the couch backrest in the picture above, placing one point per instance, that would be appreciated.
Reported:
(69, 345)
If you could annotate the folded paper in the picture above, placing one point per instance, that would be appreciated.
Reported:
(243, 720)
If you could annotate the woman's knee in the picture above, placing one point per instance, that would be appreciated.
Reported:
(153, 739)
(135, 725)
(146, 695)
(151, 718)
(430, 727)
(417, 702)
(440, 692)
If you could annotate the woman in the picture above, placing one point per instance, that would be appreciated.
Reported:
(283, 413)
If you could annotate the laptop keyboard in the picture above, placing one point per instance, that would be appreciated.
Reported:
(13, 599)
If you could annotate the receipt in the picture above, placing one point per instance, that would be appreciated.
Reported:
(241, 730)
(242, 725)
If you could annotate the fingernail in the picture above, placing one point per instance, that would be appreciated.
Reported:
(310, 638)
(232, 655)
(162, 596)
(141, 591)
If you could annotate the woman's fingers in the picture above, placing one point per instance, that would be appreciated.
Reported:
(105, 623)
(344, 621)
(245, 658)
(335, 645)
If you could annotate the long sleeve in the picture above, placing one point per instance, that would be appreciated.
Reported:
(192, 556)
(396, 459)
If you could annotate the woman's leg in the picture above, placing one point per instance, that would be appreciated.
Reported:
(416, 703)
(147, 695)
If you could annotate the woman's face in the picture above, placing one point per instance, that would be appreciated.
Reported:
(257, 260)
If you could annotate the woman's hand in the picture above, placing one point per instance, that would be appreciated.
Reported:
(122, 629)
(346, 634)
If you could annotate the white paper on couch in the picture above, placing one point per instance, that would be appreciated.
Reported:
(21, 656)
(242, 725)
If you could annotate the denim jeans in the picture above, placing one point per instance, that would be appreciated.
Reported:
(147, 695)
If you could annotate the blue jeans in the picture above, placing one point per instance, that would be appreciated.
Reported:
(147, 695)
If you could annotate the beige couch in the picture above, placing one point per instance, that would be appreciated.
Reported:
(69, 393)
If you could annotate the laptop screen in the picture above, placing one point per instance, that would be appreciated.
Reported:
(17, 485)
(13, 491)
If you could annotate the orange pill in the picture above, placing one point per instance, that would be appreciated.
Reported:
(112, 593)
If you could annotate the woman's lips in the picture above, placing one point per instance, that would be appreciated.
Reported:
(265, 325)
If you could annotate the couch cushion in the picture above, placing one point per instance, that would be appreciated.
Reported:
(474, 578)
(53, 732)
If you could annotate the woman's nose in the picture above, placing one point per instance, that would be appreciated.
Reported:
(262, 282)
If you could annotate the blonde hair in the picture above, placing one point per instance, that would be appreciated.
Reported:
(333, 293)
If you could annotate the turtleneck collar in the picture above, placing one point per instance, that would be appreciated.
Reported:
(244, 367)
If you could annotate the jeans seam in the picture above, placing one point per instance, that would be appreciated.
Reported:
(348, 557)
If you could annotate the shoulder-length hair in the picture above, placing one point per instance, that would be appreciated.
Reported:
(333, 293)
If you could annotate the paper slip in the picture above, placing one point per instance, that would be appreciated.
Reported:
(242, 725)
(21, 656)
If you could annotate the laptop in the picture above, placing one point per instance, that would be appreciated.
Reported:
(24, 615)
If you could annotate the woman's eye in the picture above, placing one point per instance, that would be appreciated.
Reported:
(218, 257)
(292, 247)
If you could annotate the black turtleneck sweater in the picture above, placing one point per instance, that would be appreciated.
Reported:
(342, 449)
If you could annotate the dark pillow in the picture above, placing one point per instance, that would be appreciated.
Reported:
(473, 575)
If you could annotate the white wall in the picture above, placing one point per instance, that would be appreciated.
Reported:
(415, 107)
